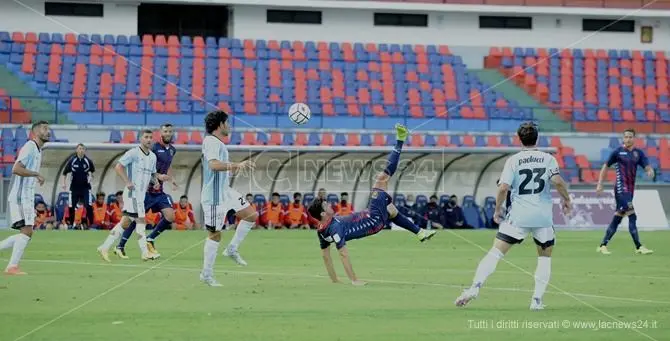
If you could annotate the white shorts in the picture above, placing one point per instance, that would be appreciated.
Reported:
(215, 215)
(24, 211)
(133, 207)
(543, 236)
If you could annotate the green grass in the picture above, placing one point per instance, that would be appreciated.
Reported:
(283, 295)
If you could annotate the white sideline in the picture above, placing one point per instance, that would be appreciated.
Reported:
(241, 272)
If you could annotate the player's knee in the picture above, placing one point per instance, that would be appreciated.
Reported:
(168, 215)
(27, 230)
(392, 210)
(544, 252)
(215, 236)
(249, 214)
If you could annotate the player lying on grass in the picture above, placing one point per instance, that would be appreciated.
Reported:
(339, 229)
(529, 174)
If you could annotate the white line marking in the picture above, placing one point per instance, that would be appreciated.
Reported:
(46, 324)
(284, 274)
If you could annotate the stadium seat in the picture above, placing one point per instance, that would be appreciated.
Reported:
(471, 212)
(307, 199)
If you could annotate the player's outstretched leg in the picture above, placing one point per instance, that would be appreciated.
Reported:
(407, 224)
(485, 268)
(632, 228)
(18, 243)
(114, 234)
(162, 225)
(611, 230)
(248, 218)
(120, 249)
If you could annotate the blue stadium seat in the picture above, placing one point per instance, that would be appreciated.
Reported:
(307, 199)
(471, 212)
(489, 210)
(259, 200)
(115, 136)
(61, 204)
(444, 200)
(332, 198)
(284, 199)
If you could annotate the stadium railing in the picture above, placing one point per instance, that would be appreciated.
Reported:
(462, 116)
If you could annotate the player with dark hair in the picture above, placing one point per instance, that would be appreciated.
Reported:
(137, 169)
(218, 197)
(625, 160)
(21, 197)
(339, 229)
(529, 174)
(156, 199)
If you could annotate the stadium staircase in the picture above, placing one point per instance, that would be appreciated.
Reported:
(543, 115)
(29, 99)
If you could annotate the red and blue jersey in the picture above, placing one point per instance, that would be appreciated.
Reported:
(354, 226)
(625, 163)
(164, 155)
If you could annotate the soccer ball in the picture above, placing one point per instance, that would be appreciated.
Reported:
(299, 113)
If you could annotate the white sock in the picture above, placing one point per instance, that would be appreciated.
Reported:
(20, 244)
(114, 234)
(210, 250)
(141, 229)
(487, 266)
(8, 242)
(542, 275)
(241, 232)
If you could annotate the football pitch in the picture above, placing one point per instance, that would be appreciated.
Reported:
(284, 294)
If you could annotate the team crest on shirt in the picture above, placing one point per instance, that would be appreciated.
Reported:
(636, 155)
(374, 195)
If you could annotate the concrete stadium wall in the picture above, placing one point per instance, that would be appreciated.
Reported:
(456, 27)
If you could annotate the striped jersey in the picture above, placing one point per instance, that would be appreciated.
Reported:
(140, 168)
(214, 183)
(528, 174)
(625, 163)
(23, 188)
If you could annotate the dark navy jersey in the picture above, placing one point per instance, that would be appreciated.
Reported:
(164, 156)
(354, 226)
(80, 169)
(625, 163)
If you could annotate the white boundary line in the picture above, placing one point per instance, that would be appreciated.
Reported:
(303, 275)
(94, 298)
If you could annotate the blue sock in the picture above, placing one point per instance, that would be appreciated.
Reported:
(126, 234)
(404, 222)
(632, 228)
(393, 159)
(611, 230)
(160, 227)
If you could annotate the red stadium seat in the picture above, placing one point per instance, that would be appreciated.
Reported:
(183, 137)
(301, 139)
(196, 137)
(249, 138)
(128, 137)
